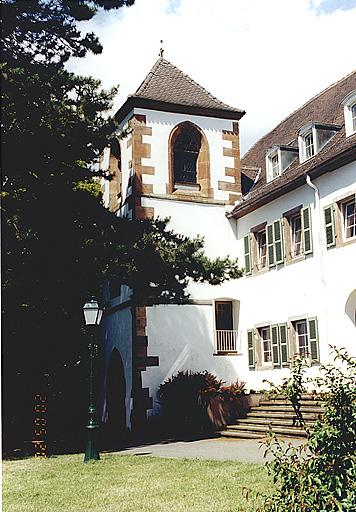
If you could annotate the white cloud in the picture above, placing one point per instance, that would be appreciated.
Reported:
(267, 58)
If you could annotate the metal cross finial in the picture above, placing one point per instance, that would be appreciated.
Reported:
(161, 50)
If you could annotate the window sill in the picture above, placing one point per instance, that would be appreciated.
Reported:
(269, 368)
(258, 271)
(307, 159)
(349, 240)
(187, 187)
(341, 243)
(269, 179)
(227, 353)
(295, 259)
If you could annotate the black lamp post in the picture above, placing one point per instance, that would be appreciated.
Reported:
(92, 316)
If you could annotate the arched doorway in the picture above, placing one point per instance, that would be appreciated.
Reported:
(115, 431)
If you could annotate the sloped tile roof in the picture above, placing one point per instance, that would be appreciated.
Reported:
(325, 108)
(167, 83)
(167, 88)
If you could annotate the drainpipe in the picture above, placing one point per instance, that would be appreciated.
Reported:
(319, 224)
(320, 254)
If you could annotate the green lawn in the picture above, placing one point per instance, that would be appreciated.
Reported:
(120, 483)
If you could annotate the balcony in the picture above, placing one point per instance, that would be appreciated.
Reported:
(226, 342)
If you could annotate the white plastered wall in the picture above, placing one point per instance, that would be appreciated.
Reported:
(319, 286)
(162, 124)
(183, 337)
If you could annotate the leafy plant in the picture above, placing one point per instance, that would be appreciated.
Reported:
(187, 397)
(319, 476)
(293, 387)
(234, 390)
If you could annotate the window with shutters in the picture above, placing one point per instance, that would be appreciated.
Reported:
(340, 222)
(264, 247)
(269, 346)
(306, 337)
(298, 241)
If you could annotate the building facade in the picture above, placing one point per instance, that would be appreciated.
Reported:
(286, 210)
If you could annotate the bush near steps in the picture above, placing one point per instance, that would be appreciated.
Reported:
(198, 402)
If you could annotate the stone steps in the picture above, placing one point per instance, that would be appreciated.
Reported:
(278, 414)
(303, 403)
(263, 429)
(285, 422)
(241, 434)
(272, 415)
(286, 408)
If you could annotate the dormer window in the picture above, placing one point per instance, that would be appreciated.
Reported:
(278, 159)
(350, 113)
(312, 138)
(309, 145)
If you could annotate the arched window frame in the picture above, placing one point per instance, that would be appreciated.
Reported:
(202, 185)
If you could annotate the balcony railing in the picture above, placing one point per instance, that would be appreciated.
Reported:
(226, 341)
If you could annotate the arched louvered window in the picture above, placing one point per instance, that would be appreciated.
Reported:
(186, 146)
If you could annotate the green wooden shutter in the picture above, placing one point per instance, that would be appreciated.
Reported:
(307, 232)
(313, 339)
(248, 259)
(251, 350)
(270, 246)
(278, 241)
(284, 342)
(329, 226)
(275, 346)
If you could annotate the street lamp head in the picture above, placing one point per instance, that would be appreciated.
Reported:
(92, 312)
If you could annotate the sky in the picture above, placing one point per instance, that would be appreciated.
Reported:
(267, 57)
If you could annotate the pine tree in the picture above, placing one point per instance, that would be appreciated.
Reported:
(59, 242)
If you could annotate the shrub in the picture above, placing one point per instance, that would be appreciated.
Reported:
(191, 401)
(293, 387)
(320, 476)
